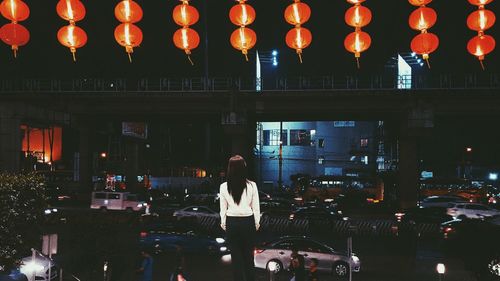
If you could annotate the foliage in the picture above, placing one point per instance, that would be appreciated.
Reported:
(22, 203)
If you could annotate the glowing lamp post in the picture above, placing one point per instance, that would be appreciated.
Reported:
(441, 270)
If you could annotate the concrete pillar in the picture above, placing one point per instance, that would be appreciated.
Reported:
(10, 139)
(408, 172)
(84, 158)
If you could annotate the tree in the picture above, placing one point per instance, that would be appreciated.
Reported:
(21, 214)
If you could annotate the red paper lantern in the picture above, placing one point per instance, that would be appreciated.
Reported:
(422, 18)
(128, 11)
(481, 20)
(185, 15)
(299, 38)
(354, 2)
(481, 45)
(15, 35)
(71, 10)
(72, 37)
(424, 44)
(242, 14)
(357, 42)
(129, 36)
(480, 2)
(419, 2)
(243, 39)
(297, 13)
(358, 16)
(14, 10)
(186, 39)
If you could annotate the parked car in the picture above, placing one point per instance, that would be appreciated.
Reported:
(423, 215)
(167, 237)
(165, 206)
(317, 214)
(195, 211)
(471, 211)
(38, 268)
(276, 208)
(476, 243)
(104, 200)
(440, 201)
(331, 261)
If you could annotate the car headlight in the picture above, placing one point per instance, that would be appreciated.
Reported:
(31, 267)
(223, 249)
(48, 212)
(220, 240)
(355, 259)
(139, 205)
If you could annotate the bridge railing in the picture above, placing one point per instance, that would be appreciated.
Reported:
(225, 84)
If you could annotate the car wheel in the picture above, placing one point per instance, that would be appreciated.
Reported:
(341, 269)
(129, 210)
(494, 267)
(278, 267)
(104, 209)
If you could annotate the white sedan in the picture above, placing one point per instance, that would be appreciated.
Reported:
(471, 211)
(38, 268)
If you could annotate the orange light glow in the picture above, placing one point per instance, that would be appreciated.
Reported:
(37, 142)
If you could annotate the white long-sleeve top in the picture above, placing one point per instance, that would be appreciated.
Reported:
(249, 203)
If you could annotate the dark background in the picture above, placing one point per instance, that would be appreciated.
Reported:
(44, 57)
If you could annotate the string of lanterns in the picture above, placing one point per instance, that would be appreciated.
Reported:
(71, 35)
(13, 33)
(299, 37)
(243, 38)
(127, 34)
(186, 38)
(479, 21)
(422, 19)
(358, 41)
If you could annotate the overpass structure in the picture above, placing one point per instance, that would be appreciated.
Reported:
(80, 102)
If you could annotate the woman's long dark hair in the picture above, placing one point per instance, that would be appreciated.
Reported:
(236, 177)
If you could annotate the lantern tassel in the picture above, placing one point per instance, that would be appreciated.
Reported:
(14, 49)
(246, 57)
(190, 60)
(300, 57)
(428, 63)
(74, 56)
(482, 64)
(357, 62)
(129, 57)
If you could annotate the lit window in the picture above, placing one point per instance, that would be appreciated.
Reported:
(364, 143)
(364, 160)
(321, 160)
(272, 137)
(300, 137)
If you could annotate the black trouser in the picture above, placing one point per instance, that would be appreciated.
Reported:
(241, 242)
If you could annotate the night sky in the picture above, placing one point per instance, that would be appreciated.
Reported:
(158, 57)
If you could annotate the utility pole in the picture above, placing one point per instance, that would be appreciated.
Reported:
(280, 159)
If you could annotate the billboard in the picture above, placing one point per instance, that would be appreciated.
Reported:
(135, 129)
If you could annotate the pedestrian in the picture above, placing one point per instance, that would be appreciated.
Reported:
(312, 275)
(297, 266)
(146, 269)
(240, 217)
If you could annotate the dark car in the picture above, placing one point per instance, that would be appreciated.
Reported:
(317, 214)
(168, 237)
(476, 242)
(276, 208)
(165, 206)
(14, 275)
(423, 215)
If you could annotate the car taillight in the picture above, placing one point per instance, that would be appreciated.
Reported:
(257, 251)
(291, 216)
(143, 234)
(447, 229)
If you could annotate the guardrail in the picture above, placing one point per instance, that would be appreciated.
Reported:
(225, 84)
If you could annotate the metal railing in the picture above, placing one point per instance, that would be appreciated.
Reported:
(225, 84)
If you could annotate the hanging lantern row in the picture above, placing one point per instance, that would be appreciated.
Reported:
(480, 21)
(299, 37)
(127, 34)
(358, 41)
(186, 38)
(422, 19)
(243, 38)
(13, 33)
(71, 35)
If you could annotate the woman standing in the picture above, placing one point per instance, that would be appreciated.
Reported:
(240, 217)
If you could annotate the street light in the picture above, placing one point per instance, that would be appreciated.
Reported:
(468, 149)
(441, 269)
